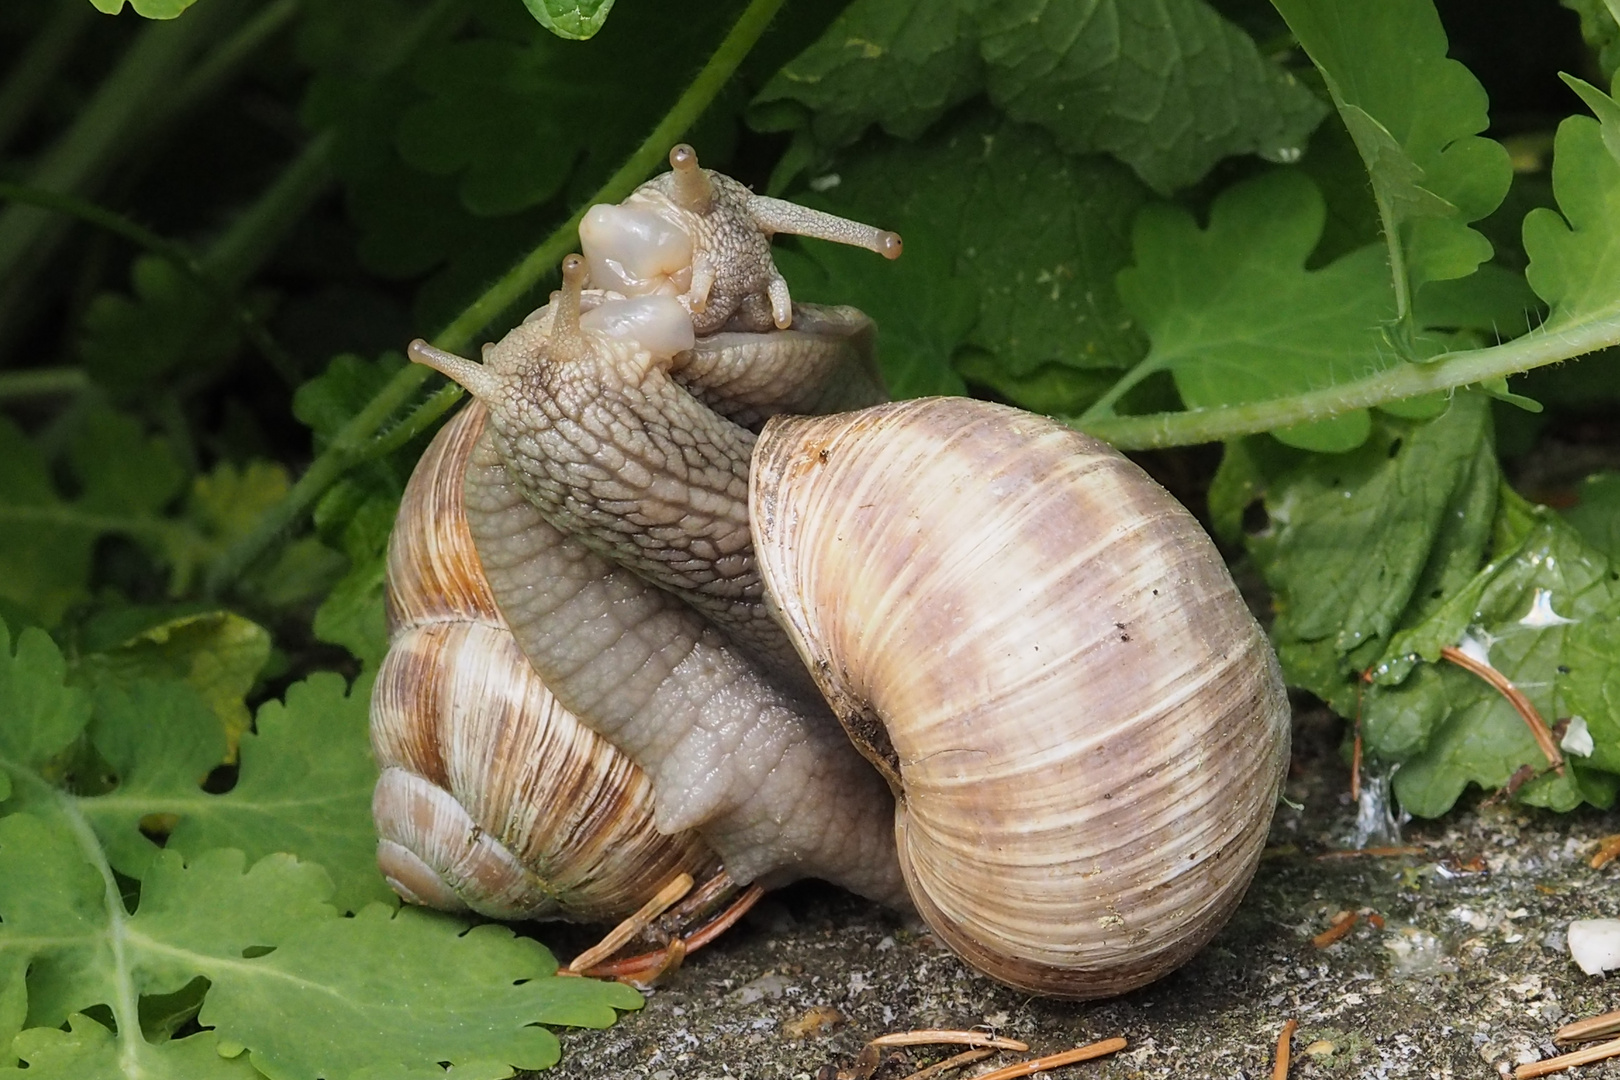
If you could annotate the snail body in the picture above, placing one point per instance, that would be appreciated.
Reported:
(1079, 731)
(494, 796)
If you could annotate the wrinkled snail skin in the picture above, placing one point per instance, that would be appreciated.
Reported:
(1084, 726)
(743, 756)
(492, 797)
(823, 364)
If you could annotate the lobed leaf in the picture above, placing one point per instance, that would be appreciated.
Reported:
(303, 786)
(409, 987)
(88, 1051)
(151, 9)
(1168, 89)
(1235, 316)
(217, 653)
(254, 941)
(125, 479)
(1415, 116)
(132, 342)
(1600, 26)
(1575, 250)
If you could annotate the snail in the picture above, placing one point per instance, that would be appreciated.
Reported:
(1078, 730)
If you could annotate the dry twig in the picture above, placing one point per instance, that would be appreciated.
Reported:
(1593, 1027)
(956, 1061)
(1548, 1066)
(1068, 1057)
(615, 940)
(935, 1037)
(1370, 852)
(1285, 1050)
(1341, 926)
(1608, 849)
(1521, 704)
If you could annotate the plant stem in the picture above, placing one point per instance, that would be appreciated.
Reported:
(350, 444)
(1445, 372)
(33, 71)
(99, 216)
(253, 237)
(106, 123)
(41, 382)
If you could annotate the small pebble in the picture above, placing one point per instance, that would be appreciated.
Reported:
(1594, 944)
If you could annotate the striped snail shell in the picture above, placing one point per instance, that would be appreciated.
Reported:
(1084, 727)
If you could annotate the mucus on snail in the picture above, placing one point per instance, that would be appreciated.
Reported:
(1078, 730)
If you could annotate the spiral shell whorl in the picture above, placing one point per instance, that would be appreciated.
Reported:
(492, 795)
(1085, 726)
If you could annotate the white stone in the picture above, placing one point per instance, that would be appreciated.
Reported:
(1594, 944)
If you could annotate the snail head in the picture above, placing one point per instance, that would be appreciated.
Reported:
(617, 338)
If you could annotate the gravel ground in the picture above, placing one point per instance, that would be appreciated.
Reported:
(1467, 975)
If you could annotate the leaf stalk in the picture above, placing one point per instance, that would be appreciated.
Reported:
(1448, 371)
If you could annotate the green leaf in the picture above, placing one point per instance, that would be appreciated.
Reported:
(306, 992)
(575, 19)
(1604, 107)
(1575, 251)
(39, 716)
(124, 477)
(1235, 316)
(1600, 26)
(151, 9)
(1011, 248)
(309, 994)
(1415, 115)
(88, 1051)
(1354, 537)
(899, 65)
(1168, 90)
(304, 784)
(353, 615)
(217, 653)
(1543, 613)
(472, 996)
(332, 398)
(132, 342)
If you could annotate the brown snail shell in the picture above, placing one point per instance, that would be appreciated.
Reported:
(1085, 728)
(493, 796)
